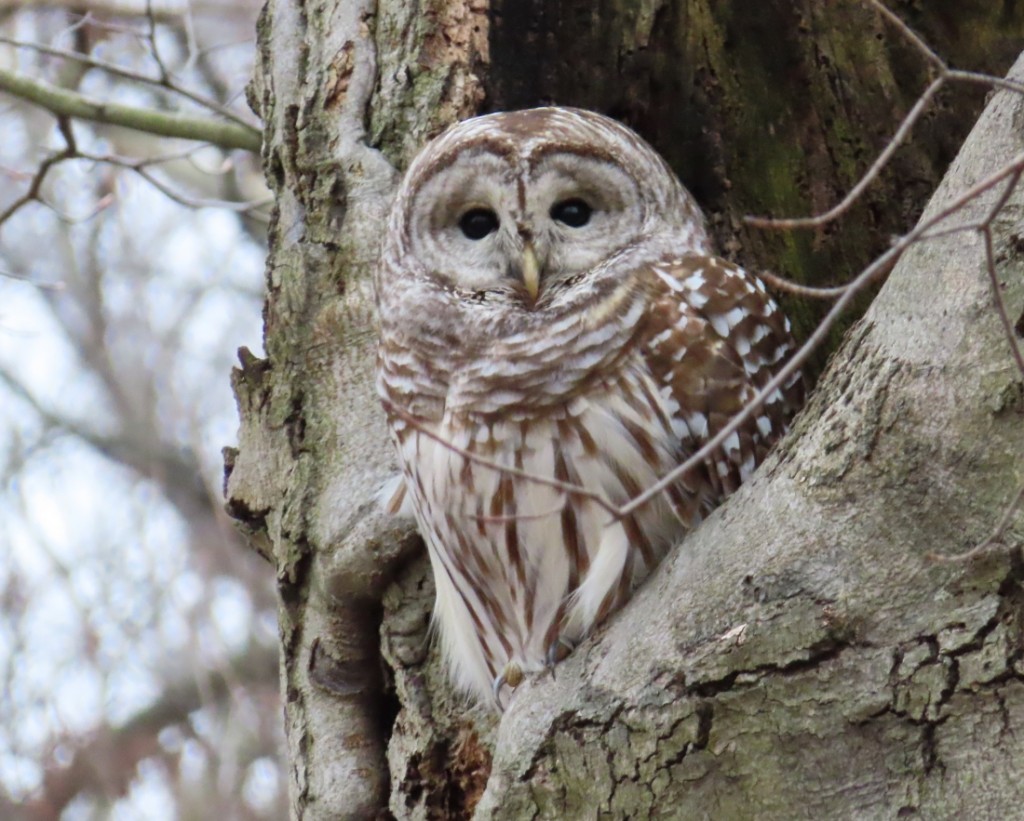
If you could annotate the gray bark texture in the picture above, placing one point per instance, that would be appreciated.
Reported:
(798, 656)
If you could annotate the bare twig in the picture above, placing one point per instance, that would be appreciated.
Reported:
(997, 296)
(154, 49)
(140, 166)
(34, 188)
(993, 538)
(782, 284)
(910, 35)
(519, 517)
(988, 80)
(876, 168)
(565, 487)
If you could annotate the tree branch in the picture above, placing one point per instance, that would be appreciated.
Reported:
(120, 71)
(69, 104)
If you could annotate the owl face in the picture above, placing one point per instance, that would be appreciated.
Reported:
(518, 206)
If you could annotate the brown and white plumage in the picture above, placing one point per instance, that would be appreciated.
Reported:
(597, 345)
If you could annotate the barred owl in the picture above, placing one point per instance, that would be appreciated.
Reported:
(550, 309)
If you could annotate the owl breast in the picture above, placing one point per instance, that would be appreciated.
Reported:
(525, 568)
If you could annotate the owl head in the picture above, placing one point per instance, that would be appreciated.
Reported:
(522, 208)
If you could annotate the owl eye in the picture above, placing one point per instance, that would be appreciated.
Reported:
(477, 223)
(575, 212)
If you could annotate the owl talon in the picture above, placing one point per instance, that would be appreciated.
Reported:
(558, 650)
(499, 682)
(512, 675)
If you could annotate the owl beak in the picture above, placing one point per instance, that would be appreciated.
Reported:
(531, 271)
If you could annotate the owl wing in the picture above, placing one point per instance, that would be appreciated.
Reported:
(714, 339)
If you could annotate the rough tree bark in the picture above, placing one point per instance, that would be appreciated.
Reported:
(798, 656)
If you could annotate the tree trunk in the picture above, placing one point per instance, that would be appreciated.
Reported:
(798, 655)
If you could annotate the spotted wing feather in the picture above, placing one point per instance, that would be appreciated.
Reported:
(716, 338)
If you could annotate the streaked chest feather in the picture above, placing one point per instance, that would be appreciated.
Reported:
(520, 563)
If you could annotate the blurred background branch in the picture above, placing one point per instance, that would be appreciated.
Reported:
(138, 646)
(68, 104)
